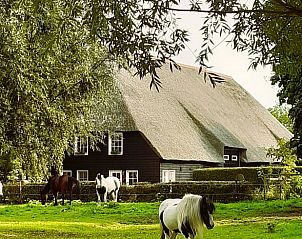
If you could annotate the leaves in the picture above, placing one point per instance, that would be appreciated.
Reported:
(48, 85)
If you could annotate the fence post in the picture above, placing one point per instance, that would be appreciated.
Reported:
(20, 192)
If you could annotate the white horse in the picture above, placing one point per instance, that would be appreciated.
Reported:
(186, 216)
(1, 189)
(107, 186)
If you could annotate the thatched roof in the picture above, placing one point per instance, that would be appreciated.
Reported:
(190, 120)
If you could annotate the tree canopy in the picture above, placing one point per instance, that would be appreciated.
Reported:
(51, 73)
(57, 56)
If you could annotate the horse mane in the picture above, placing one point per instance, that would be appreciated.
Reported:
(189, 213)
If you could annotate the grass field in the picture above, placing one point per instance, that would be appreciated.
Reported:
(269, 219)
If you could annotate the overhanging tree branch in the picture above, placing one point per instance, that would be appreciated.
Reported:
(293, 12)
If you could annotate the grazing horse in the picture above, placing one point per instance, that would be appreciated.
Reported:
(60, 184)
(107, 186)
(1, 189)
(186, 216)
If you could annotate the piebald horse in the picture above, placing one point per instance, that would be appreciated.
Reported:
(186, 216)
(107, 186)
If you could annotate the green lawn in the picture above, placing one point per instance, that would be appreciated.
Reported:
(270, 219)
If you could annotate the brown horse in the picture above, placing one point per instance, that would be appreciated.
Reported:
(60, 184)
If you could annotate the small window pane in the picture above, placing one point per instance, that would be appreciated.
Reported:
(132, 177)
(116, 144)
(226, 157)
(81, 145)
(82, 175)
(234, 158)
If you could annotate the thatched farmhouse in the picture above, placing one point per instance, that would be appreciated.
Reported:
(187, 125)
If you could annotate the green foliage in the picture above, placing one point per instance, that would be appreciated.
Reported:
(283, 154)
(250, 174)
(290, 179)
(52, 75)
(281, 113)
(56, 56)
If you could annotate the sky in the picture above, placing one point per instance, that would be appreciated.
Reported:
(227, 61)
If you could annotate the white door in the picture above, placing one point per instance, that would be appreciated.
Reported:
(168, 176)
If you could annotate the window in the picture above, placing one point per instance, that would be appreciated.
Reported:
(226, 157)
(234, 158)
(168, 176)
(67, 172)
(82, 175)
(131, 177)
(115, 144)
(81, 146)
(116, 173)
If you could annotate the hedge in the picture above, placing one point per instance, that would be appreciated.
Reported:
(220, 191)
(221, 184)
(250, 174)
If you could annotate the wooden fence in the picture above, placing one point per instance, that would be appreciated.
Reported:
(222, 191)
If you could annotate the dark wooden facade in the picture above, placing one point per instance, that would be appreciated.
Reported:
(233, 153)
(138, 155)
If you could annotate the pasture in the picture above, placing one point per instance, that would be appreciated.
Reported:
(263, 219)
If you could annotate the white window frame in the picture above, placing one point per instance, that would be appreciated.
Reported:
(68, 172)
(115, 144)
(78, 175)
(81, 146)
(226, 157)
(235, 158)
(168, 176)
(114, 172)
(128, 177)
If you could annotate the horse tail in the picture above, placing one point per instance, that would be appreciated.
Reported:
(162, 226)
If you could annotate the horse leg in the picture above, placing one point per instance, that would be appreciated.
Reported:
(173, 235)
(63, 197)
(56, 200)
(105, 197)
(70, 196)
(114, 197)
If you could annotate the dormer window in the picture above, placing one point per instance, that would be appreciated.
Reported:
(81, 146)
(115, 145)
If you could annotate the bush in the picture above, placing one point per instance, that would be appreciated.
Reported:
(250, 174)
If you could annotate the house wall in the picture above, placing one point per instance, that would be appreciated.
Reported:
(183, 169)
(240, 153)
(137, 155)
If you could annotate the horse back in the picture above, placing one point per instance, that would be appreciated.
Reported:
(67, 184)
(113, 183)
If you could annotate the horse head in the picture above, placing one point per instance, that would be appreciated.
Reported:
(207, 208)
(44, 194)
